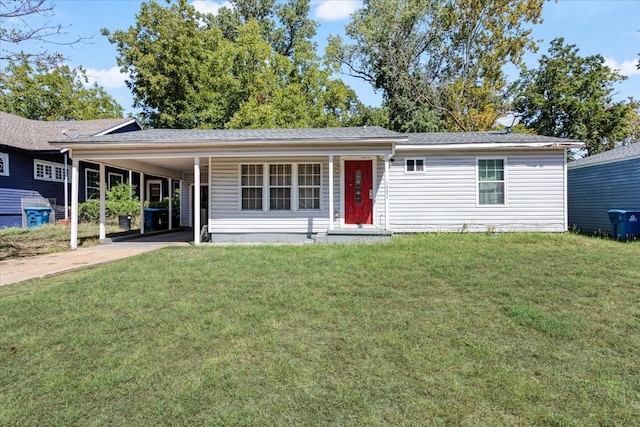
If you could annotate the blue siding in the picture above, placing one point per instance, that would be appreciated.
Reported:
(10, 206)
(593, 190)
(21, 183)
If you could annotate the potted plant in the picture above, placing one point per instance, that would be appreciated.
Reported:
(122, 202)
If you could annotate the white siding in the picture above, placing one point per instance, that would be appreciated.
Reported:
(227, 217)
(185, 194)
(443, 198)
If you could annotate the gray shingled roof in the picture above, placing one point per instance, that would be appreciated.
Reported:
(620, 153)
(35, 135)
(439, 138)
(245, 135)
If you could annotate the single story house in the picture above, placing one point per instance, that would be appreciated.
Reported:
(31, 168)
(355, 180)
(598, 183)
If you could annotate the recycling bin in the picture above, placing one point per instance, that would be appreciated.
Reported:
(156, 219)
(625, 224)
(37, 216)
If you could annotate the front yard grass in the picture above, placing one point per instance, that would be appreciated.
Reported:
(437, 329)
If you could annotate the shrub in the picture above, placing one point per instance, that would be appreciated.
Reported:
(122, 201)
(89, 211)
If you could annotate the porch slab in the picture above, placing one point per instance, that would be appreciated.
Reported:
(359, 231)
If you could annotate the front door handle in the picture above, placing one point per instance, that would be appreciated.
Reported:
(371, 194)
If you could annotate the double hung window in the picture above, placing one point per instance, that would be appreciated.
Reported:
(491, 181)
(4, 164)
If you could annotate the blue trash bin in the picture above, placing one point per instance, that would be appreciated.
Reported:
(37, 216)
(625, 224)
(156, 219)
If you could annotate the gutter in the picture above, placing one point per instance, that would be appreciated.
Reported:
(524, 146)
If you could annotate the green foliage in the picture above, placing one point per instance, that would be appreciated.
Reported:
(438, 62)
(121, 200)
(40, 93)
(164, 204)
(253, 66)
(89, 211)
(570, 96)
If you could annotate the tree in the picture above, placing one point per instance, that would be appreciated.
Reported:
(438, 62)
(188, 70)
(15, 31)
(284, 25)
(40, 93)
(570, 96)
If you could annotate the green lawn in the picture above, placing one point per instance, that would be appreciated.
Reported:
(437, 329)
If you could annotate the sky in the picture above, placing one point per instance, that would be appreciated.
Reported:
(610, 28)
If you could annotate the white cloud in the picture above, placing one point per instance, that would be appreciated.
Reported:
(108, 79)
(210, 6)
(335, 10)
(626, 68)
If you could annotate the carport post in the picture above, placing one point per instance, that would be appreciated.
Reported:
(74, 203)
(141, 202)
(196, 200)
(170, 204)
(103, 216)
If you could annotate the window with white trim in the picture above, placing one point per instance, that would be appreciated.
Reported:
(48, 171)
(251, 183)
(91, 184)
(281, 186)
(414, 165)
(309, 185)
(114, 179)
(491, 181)
(4, 164)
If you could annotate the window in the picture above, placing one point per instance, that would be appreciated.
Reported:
(414, 165)
(92, 184)
(280, 187)
(48, 171)
(287, 187)
(251, 187)
(309, 179)
(491, 182)
(4, 164)
(115, 179)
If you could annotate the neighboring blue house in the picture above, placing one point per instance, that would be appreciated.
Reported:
(598, 183)
(32, 168)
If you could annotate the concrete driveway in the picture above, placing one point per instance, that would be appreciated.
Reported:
(20, 269)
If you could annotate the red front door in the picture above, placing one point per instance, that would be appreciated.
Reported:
(358, 197)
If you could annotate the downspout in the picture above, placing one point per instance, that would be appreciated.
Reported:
(566, 199)
(75, 164)
(331, 216)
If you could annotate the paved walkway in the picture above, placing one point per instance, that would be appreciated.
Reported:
(21, 269)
